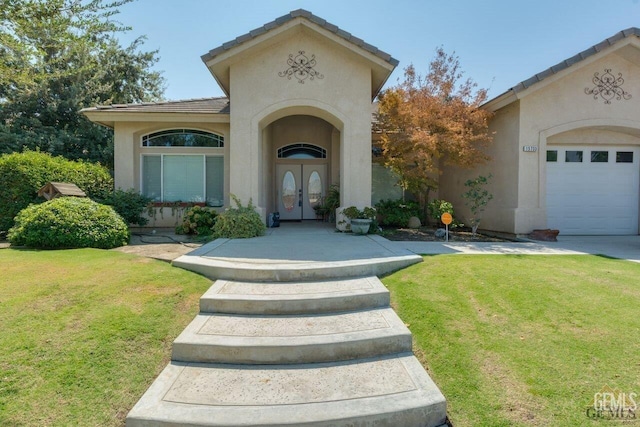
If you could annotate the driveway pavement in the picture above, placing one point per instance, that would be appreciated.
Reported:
(624, 247)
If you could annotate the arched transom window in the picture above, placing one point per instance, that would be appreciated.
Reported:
(183, 138)
(302, 151)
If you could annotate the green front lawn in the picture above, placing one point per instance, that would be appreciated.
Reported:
(83, 333)
(523, 340)
(510, 340)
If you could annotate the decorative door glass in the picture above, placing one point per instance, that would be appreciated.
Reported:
(314, 188)
(289, 193)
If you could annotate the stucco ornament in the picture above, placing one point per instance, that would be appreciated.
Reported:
(301, 67)
(608, 87)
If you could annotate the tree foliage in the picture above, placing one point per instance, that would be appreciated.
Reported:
(477, 198)
(57, 57)
(432, 121)
(23, 174)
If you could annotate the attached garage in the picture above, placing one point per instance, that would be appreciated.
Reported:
(593, 190)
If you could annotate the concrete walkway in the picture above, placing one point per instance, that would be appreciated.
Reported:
(298, 251)
(297, 330)
(313, 243)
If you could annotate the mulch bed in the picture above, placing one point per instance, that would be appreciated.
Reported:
(427, 234)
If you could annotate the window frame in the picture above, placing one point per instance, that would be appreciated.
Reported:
(619, 160)
(566, 156)
(216, 136)
(303, 147)
(204, 174)
(594, 152)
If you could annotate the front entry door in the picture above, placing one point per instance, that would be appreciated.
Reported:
(299, 187)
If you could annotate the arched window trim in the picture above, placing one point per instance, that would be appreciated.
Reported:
(311, 150)
(217, 140)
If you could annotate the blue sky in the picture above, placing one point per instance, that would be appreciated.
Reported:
(499, 42)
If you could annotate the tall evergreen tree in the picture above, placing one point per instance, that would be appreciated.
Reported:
(57, 57)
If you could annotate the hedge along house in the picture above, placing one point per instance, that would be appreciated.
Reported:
(297, 119)
(566, 147)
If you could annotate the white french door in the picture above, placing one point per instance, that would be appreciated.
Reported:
(299, 187)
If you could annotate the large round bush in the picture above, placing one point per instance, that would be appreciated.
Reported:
(23, 174)
(69, 222)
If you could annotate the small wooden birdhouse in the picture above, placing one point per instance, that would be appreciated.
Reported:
(60, 189)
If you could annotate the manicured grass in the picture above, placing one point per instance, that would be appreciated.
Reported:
(523, 340)
(83, 333)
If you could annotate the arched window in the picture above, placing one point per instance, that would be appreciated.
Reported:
(183, 138)
(302, 151)
(183, 175)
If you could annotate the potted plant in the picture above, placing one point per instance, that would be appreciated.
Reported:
(360, 219)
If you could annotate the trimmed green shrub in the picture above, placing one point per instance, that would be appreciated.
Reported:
(438, 207)
(198, 220)
(396, 213)
(240, 222)
(69, 222)
(23, 174)
(129, 205)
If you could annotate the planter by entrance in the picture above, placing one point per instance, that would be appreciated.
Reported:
(360, 226)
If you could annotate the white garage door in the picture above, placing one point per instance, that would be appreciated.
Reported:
(593, 190)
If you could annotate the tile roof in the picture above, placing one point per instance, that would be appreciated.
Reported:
(219, 105)
(633, 31)
(293, 15)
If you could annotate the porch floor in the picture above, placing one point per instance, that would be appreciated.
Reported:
(307, 250)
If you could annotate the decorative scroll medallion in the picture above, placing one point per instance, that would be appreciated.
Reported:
(608, 87)
(301, 67)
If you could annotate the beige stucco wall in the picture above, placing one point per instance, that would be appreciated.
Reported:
(503, 165)
(561, 105)
(259, 96)
(590, 136)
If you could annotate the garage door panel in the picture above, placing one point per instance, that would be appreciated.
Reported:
(593, 198)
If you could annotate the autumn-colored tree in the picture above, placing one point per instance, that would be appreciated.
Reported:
(428, 122)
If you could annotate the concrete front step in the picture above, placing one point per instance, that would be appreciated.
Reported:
(239, 297)
(281, 339)
(392, 391)
(291, 271)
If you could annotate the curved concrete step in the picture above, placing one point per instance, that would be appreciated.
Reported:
(281, 339)
(392, 391)
(290, 271)
(238, 297)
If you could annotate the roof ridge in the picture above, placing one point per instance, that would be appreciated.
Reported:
(299, 13)
(164, 102)
(580, 56)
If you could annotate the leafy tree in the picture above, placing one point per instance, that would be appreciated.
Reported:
(428, 122)
(477, 199)
(57, 57)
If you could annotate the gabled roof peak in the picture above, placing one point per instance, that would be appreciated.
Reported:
(299, 13)
(512, 94)
(633, 31)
